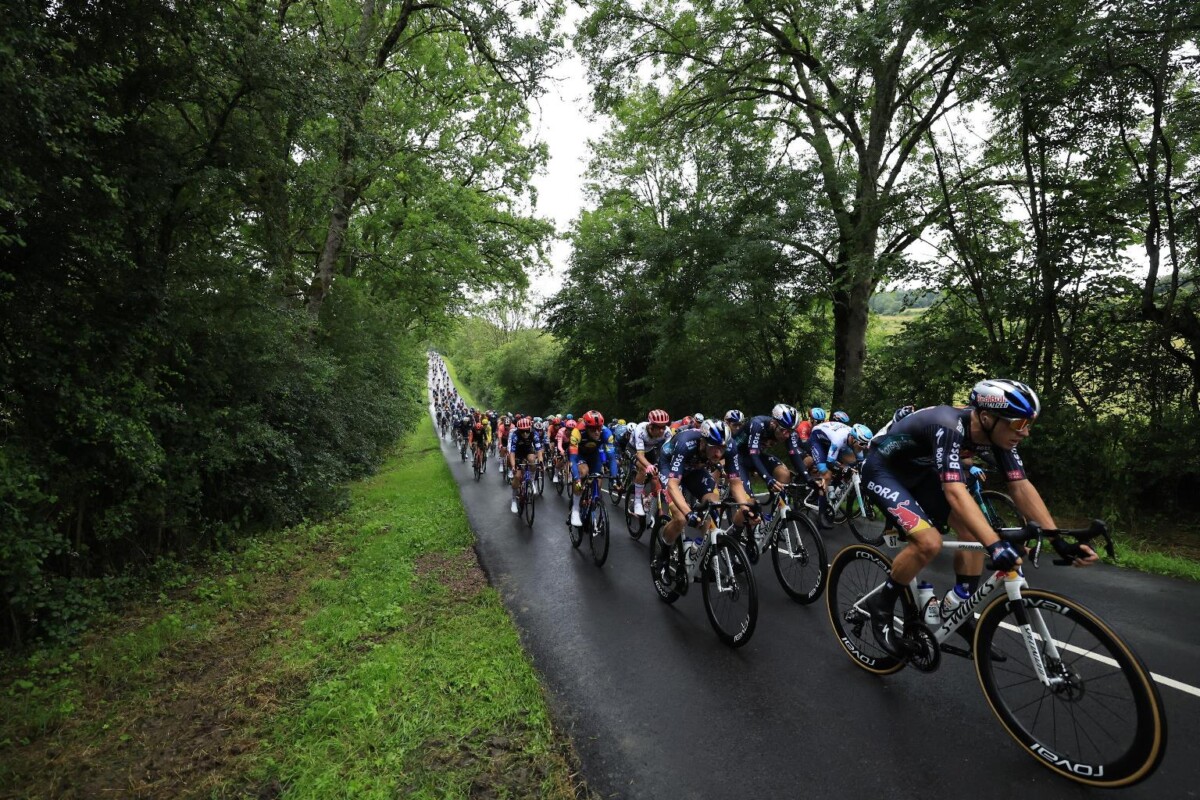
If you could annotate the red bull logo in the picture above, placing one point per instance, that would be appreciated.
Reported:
(908, 519)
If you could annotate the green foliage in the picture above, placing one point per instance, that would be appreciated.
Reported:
(170, 176)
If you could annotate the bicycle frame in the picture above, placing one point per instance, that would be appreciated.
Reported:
(1032, 626)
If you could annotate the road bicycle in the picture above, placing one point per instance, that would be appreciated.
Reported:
(1062, 683)
(723, 569)
(620, 485)
(561, 468)
(479, 461)
(797, 549)
(526, 496)
(846, 503)
(539, 478)
(595, 520)
(655, 503)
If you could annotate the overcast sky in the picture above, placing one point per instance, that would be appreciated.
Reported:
(562, 120)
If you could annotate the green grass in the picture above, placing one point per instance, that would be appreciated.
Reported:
(1136, 553)
(462, 390)
(364, 656)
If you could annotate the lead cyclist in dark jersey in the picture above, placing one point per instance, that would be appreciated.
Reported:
(914, 473)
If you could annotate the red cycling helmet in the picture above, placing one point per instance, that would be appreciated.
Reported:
(658, 417)
(524, 424)
(569, 424)
(592, 419)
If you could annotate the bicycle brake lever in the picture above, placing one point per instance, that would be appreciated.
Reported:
(1037, 551)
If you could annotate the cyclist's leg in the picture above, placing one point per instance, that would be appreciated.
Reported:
(577, 492)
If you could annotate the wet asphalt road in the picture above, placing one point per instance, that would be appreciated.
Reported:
(659, 708)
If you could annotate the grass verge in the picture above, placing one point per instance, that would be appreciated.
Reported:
(466, 395)
(360, 657)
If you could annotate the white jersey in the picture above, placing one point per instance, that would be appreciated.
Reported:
(641, 441)
(833, 433)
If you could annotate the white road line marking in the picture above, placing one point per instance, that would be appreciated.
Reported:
(1164, 680)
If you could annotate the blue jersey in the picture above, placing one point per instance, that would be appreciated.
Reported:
(937, 439)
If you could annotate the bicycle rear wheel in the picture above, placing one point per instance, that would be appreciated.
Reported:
(664, 581)
(475, 467)
(867, 522)
(1103, 724)
(577, 532)
(539, 482)
(562, 483)
(599, 537)
(799, 558)
(633, 523)
(855, 572)
(730, 593)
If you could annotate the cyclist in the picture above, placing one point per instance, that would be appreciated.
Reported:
(645, 442)
(503, 428)
(840, 416)
(561, 443)
(833, 444)
(590, 442)
(914, 473)
(479, 437)
(686, 462)
(763, 431)
(816, 416)
(524, 447)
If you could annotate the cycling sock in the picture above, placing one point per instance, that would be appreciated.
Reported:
(890, 591)
(638, 489)
(968, 582)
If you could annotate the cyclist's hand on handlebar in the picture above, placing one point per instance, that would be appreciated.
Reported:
(1004, 556)
(651, 470)
(1079, 554)
(774, 485)
(693, 519)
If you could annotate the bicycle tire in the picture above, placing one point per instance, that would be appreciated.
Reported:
(577, 531)
(666, 589)
(799, 558)
(730, 592)
(633, 523)
(1092, 654)
(530, 508)
(599, 533)
(868, 523)
(1000, 510)
(855, 571)
(562, 484)
(539, 482)
(475, 468)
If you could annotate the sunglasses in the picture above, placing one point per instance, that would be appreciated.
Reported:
(1020, 425)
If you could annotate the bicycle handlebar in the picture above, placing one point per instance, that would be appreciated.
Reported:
(1031, 531)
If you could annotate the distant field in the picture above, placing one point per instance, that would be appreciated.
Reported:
(889, 324)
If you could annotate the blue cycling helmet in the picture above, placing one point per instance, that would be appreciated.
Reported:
(1004, 398)
(785, 415)
(715, 432)
(861, 433)
(817, 415)
(734, 417)
(842, 417)
(570, 416)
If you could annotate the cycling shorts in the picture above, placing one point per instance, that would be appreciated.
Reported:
(916, 503)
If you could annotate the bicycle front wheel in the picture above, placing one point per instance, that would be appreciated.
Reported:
(867, 521)
(539, 482)
(1000, 510)
(730, 594)
(599, 537)
(1101, 723)
(529, 509)
(798, 556)
(855, 572)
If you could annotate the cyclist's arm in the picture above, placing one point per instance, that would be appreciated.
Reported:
(796, 451)
(755, 447)
(676, 495)
(574, 451)
(1029, 502)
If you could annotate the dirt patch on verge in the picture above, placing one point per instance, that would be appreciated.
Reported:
(187, 726)
(459, 572)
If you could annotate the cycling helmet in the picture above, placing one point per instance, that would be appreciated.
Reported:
(540, 425)
(817, 415)
(592, 419)
(697, 417)
(569, 425)
(785, 415)
(537, 420)
(842, 417)
(570, 416)
(715, 432)
(1007, 399)
(621, 422)
(658, 417)
(524, 424)
(861, 433)
(734, 417)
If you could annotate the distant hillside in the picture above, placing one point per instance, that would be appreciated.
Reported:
(895, 302)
